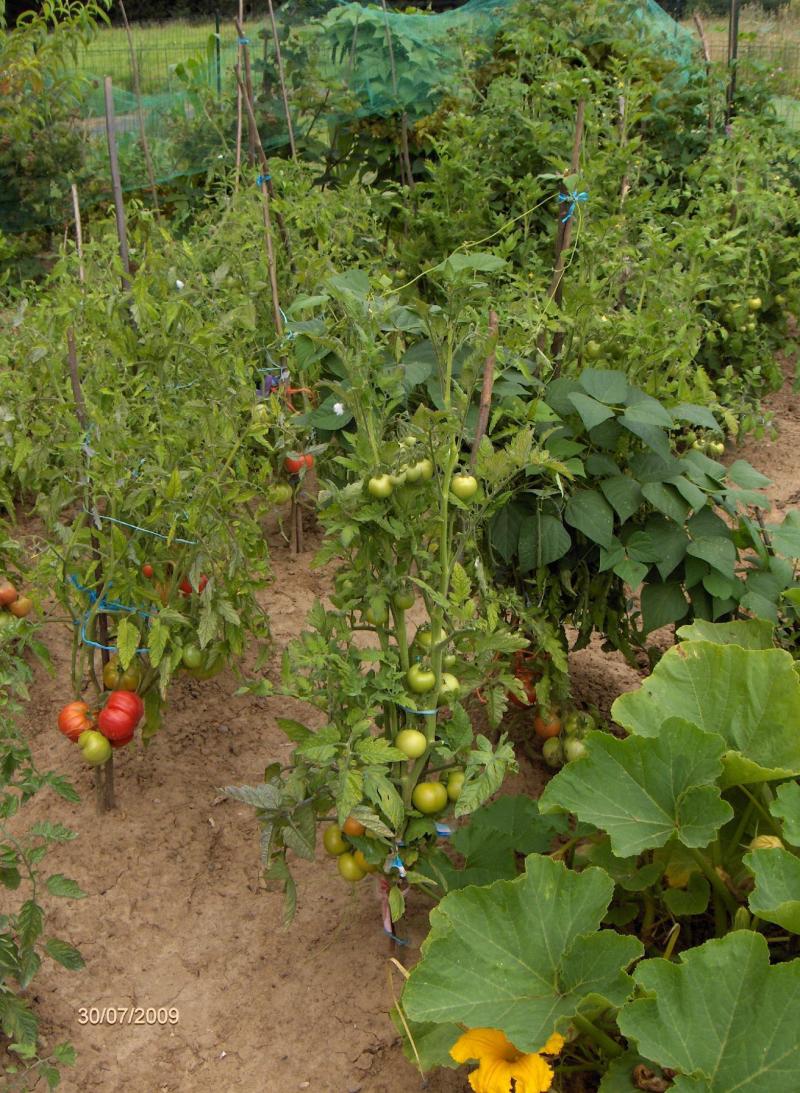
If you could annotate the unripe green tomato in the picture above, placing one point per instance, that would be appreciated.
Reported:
(552, 752)
(464, 486)
(192, 656)
(424, 638)
(281, 493)
(380, 486)
(403, 599)
(411, 742)
(754, 303)
(429, 797)
(455, 783)
(420, 680)
(593, 349)
(449, 660)
(95, 748)
(425, 469)
(407, 442)
(780, 299)
(413, 473)
(449, 689)
(573, 749)
(399, 478)
(349, 868)
(377, 614)
(333, 841)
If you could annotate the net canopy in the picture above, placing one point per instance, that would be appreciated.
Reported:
(343, 62)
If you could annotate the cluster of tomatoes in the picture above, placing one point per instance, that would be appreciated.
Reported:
(96, 733)
(381, 486)
(164, 583)
(295, 463)
(560, 748)
(11, 603)
(352, 863)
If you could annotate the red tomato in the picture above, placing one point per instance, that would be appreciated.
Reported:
(186, 587)
(525, 676)
(309, 461)
(147, 570)
(294, 465)
(548, 726)
(74, 719)
(120, 716)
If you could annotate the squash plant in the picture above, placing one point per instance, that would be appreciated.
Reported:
(686, 828)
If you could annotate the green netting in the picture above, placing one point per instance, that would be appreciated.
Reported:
(344, 62)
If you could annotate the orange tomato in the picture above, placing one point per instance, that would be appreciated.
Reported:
(548, 726)
(353, 827)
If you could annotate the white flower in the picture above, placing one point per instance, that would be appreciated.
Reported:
(179, 284)
(338, 409)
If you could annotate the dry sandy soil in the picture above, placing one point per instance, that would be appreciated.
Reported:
(176, 914)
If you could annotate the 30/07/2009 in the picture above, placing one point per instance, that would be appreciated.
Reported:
(128, 1015)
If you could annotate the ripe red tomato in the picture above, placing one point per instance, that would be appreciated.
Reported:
(526, 678)
(186, 586)
(548, 726)
(294, 464)
(7, 593)
(309, 461)
(74, 719)
(120, 716)
(147, 570)
(21, 607)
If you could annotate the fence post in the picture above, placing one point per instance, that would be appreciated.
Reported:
(218, 51)
(733, 57)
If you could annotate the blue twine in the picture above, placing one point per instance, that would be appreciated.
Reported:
(263, 179)
(106, 607)
(573, 199)
(244, 41)
(422, 713)
(397, 863)
(135, 527)
(394, 937)
(444, 831)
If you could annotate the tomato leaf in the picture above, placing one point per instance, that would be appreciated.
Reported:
(59, 885)
(66, 955)
(349, 791)
(127, 641)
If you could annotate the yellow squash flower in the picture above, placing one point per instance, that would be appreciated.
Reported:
(501, 1063)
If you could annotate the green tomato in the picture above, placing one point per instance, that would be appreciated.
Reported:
(464, 486)
(413, 473)
(403, 599)
(420, 680)
(380, 486)
(411, 742)
(425, 469)
(423, 638)
(593, 349)
(449, 660)
(399, 479)
(754, 303)
(429, 797)
(449, 689)
(716, 447)
(455, 783)
(281, 493)
(350, 869)
(95, 748)
(407, 442)
(377, 614)
(333, 842)
(573, 749)
(552, 752)
(780, 299)
(192, 656)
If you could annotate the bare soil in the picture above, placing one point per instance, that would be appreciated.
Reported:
(176, 913)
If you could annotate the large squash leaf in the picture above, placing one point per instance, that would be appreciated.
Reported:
(720, 1016)
(750, 697)
(786, 807)
(776, 897)
(521, 955)
(644, 791)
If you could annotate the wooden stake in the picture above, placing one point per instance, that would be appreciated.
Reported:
(76, 209)
(103, 776)
(405, 157)
(116, 184)
(247, 90)
(564, 234)
(239, 113)
(698, 22)
(282, 78)
(486, 389)
(148, 162)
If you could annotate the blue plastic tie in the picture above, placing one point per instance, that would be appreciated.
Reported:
(444, 831)
(263, 179)
(397, 863)
(573, 199)
(394, 937)
(135, 527)
(422, 713)
(244, 41)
